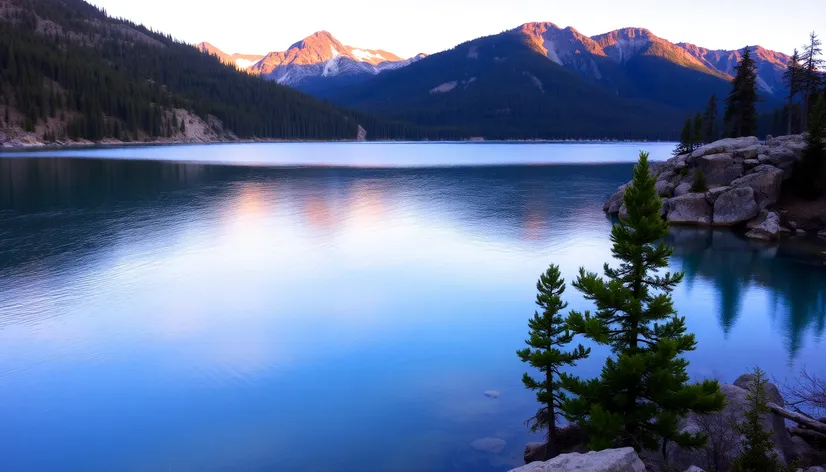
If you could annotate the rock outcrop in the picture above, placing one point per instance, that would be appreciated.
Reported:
(745, 177)
(609, 460)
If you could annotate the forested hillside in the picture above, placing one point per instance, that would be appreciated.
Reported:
(69, 71)
(499, 87)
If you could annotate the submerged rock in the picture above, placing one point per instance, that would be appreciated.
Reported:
(609, 460)
(766, 227)
(491, 445)
(492, 393)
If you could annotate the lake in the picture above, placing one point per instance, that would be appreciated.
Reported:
(329, 307)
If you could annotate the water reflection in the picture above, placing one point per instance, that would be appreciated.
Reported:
(793, 274)
(241, 307)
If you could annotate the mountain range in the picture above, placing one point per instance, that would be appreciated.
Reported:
(322, 56)
(316, 63)
(71, 71)
(538, 80)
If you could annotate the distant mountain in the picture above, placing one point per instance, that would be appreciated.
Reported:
(505, 87)
(240, 61)
(320, 62)
(69, 71)
(770, 64)
(624, 83)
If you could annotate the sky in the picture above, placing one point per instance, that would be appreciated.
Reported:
(409, 27)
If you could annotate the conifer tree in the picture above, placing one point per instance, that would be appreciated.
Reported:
(792, 79)
(697, 132)
(757, 454)
(809, 170)
(710, 121)
(686, 138)
(810, 80)
(741, 113)
(548, 335)
(643, 390)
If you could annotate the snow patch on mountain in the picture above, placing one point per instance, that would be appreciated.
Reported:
(445, 87)
(244, 63)
(366, 55)
(552, 54)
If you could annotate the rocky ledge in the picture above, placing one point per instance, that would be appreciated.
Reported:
(745, 180)
(802, 445)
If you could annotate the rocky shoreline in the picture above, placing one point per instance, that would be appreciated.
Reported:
(745, 180)
(792, 445)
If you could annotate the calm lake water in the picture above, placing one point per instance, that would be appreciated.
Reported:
(157, 313)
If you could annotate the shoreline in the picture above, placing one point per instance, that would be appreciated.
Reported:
(112, 144)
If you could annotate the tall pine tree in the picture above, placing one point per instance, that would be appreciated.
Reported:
(686, 140)
(697, 132)
(643, 389)
(547, 337)
(809, 170)
(810, 81)
(710, 121)
(792, 79)
(741, 112)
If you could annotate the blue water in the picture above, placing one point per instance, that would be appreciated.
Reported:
(160, 315)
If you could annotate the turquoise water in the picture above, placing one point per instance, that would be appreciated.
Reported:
(161, 315)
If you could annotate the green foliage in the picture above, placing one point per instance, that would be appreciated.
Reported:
(810, 80)
(710, 132)
(758, 454)
(699, 184)
(697, 132)
(809, 172)
(643, 390)
(686, 143)
(548, 334)
(741, 112)
(793, 80)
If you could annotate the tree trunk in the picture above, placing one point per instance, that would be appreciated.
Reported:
(798, 418)
(550, 448)
(808, 433)
(789, 130)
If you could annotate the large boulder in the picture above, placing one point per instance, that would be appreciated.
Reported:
(725, 145)
(665, 188)
(682, 189)
(609, 460)
(713, 194)
(692, 208)
(720, 169)
(612, 206)
(750, 152)
(735, 206)
(766, 226)
(766, 181)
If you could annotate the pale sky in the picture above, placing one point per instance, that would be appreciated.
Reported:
(412, 26)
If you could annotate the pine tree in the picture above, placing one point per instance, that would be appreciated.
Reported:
(792, 79)
(699, 184)
(809, 170)
(810, 81)
(710, 121)
(757, 454)
(741, 113)
(183, 126)
(643, 389)
(697, 134)
(547, 337)
(686, 137)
